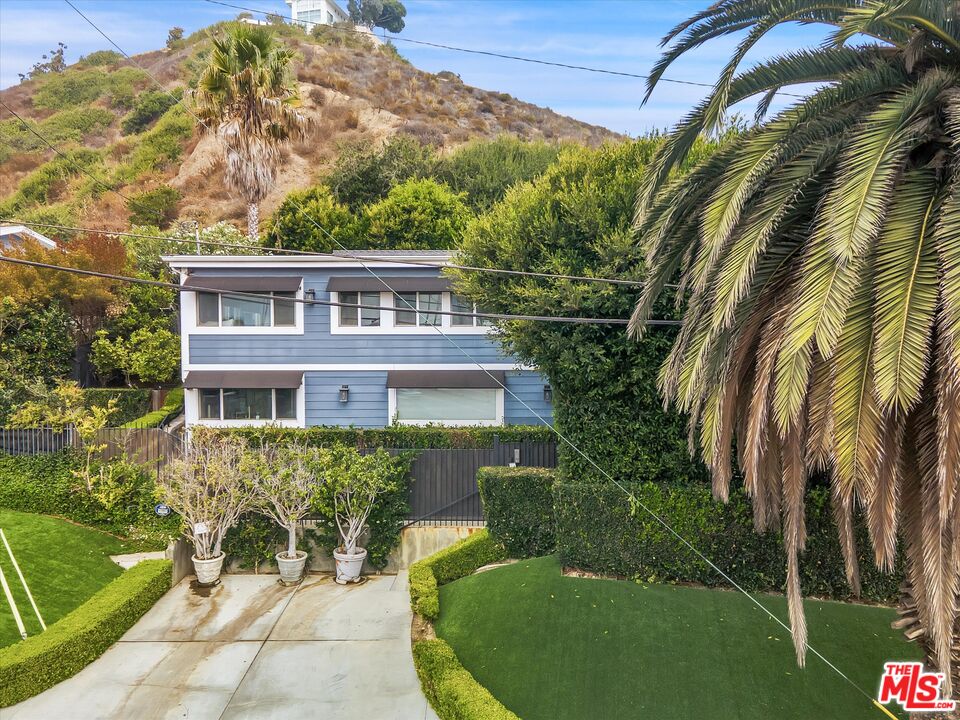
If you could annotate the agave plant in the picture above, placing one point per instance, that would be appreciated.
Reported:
(818, 255)
(247, 96)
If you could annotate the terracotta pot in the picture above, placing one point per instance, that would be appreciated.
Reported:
(349, 566)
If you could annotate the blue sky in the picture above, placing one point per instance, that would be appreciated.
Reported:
(615, 34)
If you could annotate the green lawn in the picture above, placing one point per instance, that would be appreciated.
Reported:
(561, 648)
(64, 564)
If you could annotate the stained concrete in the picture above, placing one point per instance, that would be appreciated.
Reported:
(129, 560)
(253, 649)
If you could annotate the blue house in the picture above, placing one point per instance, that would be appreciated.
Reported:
(270, 360)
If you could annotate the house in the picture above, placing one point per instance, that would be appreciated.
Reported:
(12, 236)
(252, 361)
(311, 12)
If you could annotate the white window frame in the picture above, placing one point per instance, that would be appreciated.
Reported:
(387, 316)
(191, 406)
(190, 321)
(392, 418)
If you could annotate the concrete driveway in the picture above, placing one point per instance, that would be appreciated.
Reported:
(251, 648)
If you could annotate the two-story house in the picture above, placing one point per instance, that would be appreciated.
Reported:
(271, 360)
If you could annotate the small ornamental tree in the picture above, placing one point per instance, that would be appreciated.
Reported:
(286, 480)
(208, 489)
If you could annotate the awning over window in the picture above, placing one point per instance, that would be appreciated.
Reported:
(244, 283)
(445, 379)
(203, 379)
(406, 283)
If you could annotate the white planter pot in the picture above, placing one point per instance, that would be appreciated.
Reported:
(208, 571)
(291, 571)
(349, 566)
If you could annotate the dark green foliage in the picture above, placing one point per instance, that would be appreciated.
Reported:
(154, 207)
(41, 661)
(486, 169)
(365, 173)
(597, 530)
(131, 402)
(518, 507)
(254, 540)
(416, 215)
(387, 14)
(172, 405)
(148, 106)
(46, 484)
(313, 220)
(399, 436)
(452, 563)
(452, 691)
(36, 340)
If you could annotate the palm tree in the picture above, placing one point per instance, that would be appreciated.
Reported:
(819, 262)
(247, 96)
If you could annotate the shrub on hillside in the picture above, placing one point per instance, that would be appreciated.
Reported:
(82, 86)
(43, 185)
(417, 214)
(148, 106)
(154, 207)
(364, 173)
(102, 57)
(157, 148)
(70, 125)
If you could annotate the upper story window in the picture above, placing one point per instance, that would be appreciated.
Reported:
(428, 304)
(219, 310)
(460, 304)
(360, 316)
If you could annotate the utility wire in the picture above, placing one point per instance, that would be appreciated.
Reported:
(339, 256)
(473, 51)
(330, 303)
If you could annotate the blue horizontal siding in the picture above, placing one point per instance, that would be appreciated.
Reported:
(527, 386)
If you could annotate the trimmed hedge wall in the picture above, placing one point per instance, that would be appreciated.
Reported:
(402, 436)
(518, 505)
(172, 404)
(131, 402)
(452, 690)
(598, 530)
(452, 563)
(66, 647)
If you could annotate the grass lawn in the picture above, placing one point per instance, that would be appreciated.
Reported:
(64, 564)
(561, 648)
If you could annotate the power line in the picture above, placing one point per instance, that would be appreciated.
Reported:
(329, 303)
(473, 51)
(307, 253)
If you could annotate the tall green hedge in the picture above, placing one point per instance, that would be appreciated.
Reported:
(172, 405)
(402, 436)
(598, 530)
(31, 666)
(518, 506)
(131, 402)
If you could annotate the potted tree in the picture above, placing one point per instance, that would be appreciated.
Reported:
(286, 480)
(208, 488)
(356, 482)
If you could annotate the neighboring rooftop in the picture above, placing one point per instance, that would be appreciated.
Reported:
(15, 235)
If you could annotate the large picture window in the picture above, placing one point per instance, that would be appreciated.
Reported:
(248, 404)
(448, 406)
(221, 310)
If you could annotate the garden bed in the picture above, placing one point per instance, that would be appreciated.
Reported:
(549, 646)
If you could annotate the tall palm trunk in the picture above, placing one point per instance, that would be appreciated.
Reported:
(253, 220)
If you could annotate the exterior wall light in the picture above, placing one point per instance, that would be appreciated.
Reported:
(310, 294)
(547, 394)
(344, 393)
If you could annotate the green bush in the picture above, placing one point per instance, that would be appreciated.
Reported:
(81, 86)
(42, 185)
(70, 125)
(598, 529)
(102, 57)
(157, 148)
(47, 484)
(518, 506)
(401, 436)
(253, 541)
(452, 690)
(172, 405)
(148, 106)
(131, 402)
(154, 207)
(452, 563)
(66, 647)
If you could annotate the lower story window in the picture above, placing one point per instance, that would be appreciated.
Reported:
(248, 404)
(450, 406)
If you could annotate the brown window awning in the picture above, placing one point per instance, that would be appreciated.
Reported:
(243, 379)
(406, 283)
(445, 379)
(243, 283)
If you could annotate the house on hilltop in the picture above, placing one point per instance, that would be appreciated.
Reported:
(311, 12)
(368, 360)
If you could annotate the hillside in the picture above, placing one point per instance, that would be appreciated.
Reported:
(114, 122)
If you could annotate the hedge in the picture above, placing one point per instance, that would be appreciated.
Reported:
(452, 563)
(518, 505)
(403, 436)
(66, 647)
(131, 402)
(598, 530)
(172, 404)
(452, 690)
